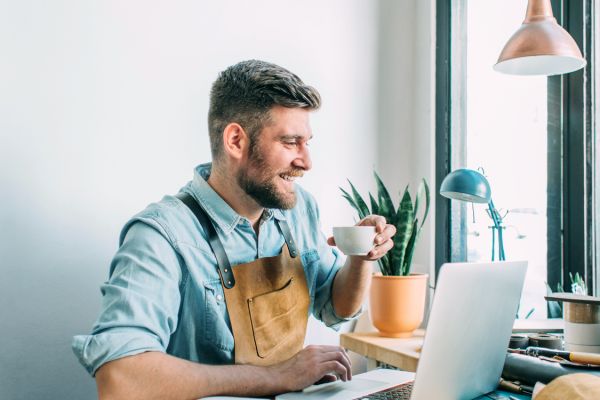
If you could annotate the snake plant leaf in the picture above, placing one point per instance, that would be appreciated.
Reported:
(411, 247)
(363, 210)
(417, 203)
(350, 200)
(384, 265)
(385, 201)
(423, 189)
(404, 227)
(374, 205)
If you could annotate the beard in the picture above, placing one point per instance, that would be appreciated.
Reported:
(263, 188)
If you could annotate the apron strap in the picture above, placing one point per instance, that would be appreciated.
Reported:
(289, 238)
(213, 239)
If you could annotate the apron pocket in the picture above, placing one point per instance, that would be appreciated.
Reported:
(271, 316)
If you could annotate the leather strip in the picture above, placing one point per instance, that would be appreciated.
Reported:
(289, 239)
(225, 271)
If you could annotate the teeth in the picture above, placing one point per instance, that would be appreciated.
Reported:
(288, 178)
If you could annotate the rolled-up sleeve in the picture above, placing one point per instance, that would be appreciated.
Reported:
(331, 260)
(140, 301)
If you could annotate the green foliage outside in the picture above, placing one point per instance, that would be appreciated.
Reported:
(578, 286)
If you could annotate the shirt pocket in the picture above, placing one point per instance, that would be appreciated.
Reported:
(271, 314)
(216, 320)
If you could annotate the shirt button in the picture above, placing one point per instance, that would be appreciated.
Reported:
(219, 297)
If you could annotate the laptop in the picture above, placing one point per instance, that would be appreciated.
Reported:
(465, 344)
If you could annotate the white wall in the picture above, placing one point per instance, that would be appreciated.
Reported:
(406, 94)
(103, 110)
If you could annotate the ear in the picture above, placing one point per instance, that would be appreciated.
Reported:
(235, 141)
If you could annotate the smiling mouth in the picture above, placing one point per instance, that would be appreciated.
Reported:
(288, 178)
(291, 176)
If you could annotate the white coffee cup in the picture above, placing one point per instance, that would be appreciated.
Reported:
(354, 240)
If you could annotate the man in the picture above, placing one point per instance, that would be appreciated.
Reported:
(210, 290)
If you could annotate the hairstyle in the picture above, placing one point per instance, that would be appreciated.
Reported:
(245, 93)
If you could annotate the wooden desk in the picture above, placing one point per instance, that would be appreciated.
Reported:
(400, 353)
(404, 353)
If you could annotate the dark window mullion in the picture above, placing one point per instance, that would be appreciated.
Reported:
(443, 241)
(577, 161)
(554, 185)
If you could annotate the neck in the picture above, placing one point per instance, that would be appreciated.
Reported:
(234, 195)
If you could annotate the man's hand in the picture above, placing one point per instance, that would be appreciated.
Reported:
(310, 365)
(383, 242)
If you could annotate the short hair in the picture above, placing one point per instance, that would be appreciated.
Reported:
(245, 93)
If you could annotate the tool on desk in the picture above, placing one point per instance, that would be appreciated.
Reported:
(545, 340)
(518, 342)
(536, 339)
(576, 357)
(515, 387)
(528, 370)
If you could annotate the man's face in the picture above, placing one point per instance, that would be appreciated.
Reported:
(279, 156)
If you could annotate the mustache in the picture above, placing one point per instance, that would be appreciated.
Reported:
(296, 173)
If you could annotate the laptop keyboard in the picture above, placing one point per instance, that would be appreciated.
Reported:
(400, 392)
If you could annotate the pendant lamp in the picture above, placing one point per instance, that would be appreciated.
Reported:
(541, 46)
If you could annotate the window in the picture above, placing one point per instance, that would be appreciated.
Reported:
(531, 135)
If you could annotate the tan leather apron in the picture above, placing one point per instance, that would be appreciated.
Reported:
(267, 299)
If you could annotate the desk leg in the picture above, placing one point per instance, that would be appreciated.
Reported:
(371, 364)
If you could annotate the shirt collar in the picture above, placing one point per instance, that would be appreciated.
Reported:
(217, 209)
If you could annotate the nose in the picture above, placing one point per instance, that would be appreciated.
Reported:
(303, 160)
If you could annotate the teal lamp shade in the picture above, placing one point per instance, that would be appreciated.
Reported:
(466, 185)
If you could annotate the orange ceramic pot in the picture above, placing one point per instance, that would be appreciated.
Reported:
(397, 303)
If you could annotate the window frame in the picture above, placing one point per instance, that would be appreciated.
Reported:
(571, 155)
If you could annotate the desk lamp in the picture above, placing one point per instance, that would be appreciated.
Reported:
(469, 185)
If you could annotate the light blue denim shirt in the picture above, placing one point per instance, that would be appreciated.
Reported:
(151, 302)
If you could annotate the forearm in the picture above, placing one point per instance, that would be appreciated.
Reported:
(350, 286)
(154, 375)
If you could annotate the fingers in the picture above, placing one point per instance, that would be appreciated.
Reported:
(326, 379)
(380, 250)
(340, 361)
(385, 232)
(338, 369)
(345, 360)
(383, 229)
(330, 359)
(388, 232)
(377, 221)
(332, 349)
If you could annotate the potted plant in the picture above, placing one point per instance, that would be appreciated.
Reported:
(397, 296)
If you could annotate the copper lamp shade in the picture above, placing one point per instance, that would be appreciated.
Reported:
(541, 46)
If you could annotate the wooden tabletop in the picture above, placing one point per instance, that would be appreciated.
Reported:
(405, 353)
(401, 353)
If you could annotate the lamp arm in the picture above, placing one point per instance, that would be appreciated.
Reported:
(498, 227)
(493, 242)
